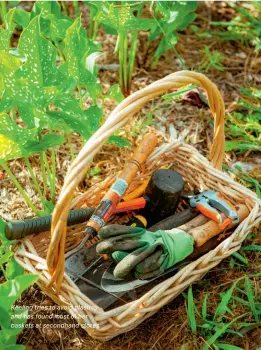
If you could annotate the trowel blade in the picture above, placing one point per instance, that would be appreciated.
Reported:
(116, 285)
(84, 263)
(81, 261)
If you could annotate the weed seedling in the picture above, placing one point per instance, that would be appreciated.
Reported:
(212, 59)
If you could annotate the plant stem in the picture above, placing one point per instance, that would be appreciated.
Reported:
(3, 13)
(64, 8)
(180, 59)
(27, 162)
(132, 56)
(53, 174)
(76, 9)
(90, 31)
(43, 173)
(125, 62)
(68, 134)
(95, 30)
(120, 49)
(20, 188)
(50, 179)
(80, 96)
(3, 270)
(60, 54)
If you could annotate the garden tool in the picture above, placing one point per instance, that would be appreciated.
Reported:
(150, 254)
(18, 229)
(108, 204)
(161, 196)
(86, 270)
(208, 202)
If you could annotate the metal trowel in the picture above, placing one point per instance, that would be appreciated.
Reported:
(111, 284)
(86, 269)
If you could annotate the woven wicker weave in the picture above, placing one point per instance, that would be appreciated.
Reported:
(197, 171)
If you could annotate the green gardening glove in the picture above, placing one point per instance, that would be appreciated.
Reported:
(148, 253)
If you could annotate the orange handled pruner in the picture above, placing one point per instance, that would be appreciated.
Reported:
(208, 202)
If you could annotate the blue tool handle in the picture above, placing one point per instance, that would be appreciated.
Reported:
(18, 229)
(224, 207)
(206, 209)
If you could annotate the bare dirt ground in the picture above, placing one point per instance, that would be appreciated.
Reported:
(168, 328)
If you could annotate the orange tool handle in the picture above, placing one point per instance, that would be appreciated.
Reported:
(112, 198)
(208, 212)
(145, 148)
(134, 204)
(203, 233)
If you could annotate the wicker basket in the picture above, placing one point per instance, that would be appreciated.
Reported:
(197, 171)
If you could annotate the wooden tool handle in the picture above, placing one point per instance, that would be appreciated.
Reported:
(205, 232)
(140, 155)
(196, 222)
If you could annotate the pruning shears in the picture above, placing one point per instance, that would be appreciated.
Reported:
(208, 202)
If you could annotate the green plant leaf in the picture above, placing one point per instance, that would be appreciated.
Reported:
(18, 17)
(255, 248)
(167, 42)
(13, 139)
(45, 8)
(222, 306)
(47, 142)
(76, 51)
(191, 311)
(40, 68)
(239, 146)
(251, 299)
(11, 290)
(4, 318)
(92, 118)
(222, 346)
(118, 141)
(115, 93)
(204, 307)
(240, 258)
(13, 269)
(221, 329)
(5, 253)
(68, 104)
(119, 18)
(5, 37)
(74, 124)
(9, 149)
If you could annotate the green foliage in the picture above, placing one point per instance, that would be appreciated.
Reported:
(244, 127)
(76, 51)
(191, 311)
(171, 17)
(126, 20)
(212, 59)
(245, 26)
(213, 328)
(248, 180)
(37, 83)
(12, 319)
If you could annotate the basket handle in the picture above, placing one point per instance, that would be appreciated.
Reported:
(117, 119)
